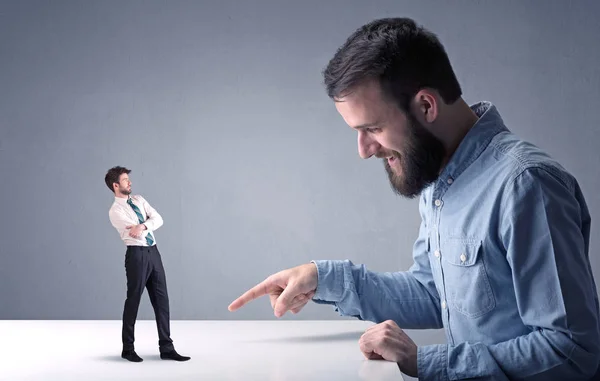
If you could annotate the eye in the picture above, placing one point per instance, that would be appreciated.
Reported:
(373, 130)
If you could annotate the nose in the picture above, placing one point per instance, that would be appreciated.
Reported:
(367, 146)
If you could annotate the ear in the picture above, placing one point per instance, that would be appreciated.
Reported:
(425, 106)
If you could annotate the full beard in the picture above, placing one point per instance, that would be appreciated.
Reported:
(420, 162)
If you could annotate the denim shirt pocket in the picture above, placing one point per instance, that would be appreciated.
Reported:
(468, 289)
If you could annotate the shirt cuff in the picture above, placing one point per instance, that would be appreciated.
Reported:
(431, 362)
(330, 281)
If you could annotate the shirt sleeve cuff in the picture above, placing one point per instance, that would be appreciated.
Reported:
(330, 283)
(431, 362)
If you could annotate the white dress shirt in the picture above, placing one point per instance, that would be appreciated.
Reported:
(121, 215)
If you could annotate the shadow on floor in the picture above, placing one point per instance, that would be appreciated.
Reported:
(346, 336)
(117, 358)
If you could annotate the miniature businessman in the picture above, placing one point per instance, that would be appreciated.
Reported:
(136, 221)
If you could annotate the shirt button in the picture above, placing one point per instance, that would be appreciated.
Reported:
(444, 304)
(450, 180)
(437, 253)
(438, 203)
(463, 257)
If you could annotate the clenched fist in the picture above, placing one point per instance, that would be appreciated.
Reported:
(387, 341)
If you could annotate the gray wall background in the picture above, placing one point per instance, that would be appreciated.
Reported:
(218, 108)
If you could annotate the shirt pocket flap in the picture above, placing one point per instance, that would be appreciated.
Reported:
(461, 253)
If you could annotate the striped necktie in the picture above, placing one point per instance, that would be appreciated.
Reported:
(149, 239)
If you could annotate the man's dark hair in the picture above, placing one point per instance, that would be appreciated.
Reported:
(112, 176)
(401, 55)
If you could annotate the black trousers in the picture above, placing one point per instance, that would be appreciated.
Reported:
(144, 269)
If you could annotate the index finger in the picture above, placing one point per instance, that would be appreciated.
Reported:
(253, 293)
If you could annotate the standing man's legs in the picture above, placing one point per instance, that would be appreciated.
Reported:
(144, 269)
(157, 290)
(137, 270)
(159, 297)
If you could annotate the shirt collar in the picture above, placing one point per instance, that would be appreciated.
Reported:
(121, 200)
(478, 138)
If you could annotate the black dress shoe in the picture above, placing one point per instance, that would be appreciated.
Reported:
(173, 355)
(131, 356)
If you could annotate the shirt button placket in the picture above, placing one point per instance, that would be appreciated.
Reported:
(445, 311)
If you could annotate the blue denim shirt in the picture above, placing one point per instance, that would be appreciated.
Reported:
(500, 262)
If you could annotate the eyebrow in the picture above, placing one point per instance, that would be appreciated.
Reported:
(366, 125)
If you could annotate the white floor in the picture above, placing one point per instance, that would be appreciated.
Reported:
(220, 350)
